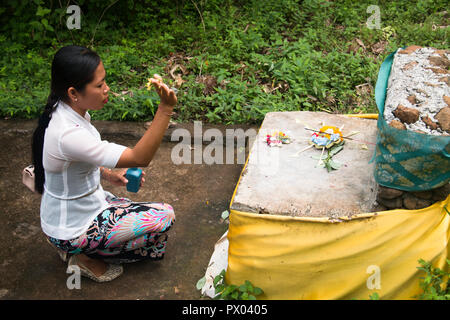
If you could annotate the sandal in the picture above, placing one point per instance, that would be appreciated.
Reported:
(113, 271)
(62, 254)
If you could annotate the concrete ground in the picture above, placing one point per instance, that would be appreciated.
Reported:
(199, 193)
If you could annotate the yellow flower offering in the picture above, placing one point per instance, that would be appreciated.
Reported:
(149, 82)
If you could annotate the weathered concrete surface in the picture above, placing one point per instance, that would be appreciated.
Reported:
(280, 180)
(31, 269)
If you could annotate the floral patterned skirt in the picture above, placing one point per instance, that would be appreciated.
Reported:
(125, 232)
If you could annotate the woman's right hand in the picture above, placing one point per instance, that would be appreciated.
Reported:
(167, 96)
(145, 149)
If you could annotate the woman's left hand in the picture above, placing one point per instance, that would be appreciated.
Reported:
(117, 178)
(142, 178)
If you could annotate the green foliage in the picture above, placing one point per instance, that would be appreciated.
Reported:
(436, 283)
(374, 296)
(224, 291)
(262, 55)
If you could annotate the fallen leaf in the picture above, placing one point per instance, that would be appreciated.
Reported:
(179, 81)
(352, 133)
(360, 43)
(225, 214)
(379, 47)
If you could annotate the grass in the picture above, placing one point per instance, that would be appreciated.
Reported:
(235, 60)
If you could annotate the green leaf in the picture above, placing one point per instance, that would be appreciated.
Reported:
(257, 291)
(374, 296)
(217, 279)
(233, 287)
(423, 262)
(433, 290)
(219, 288)
(249, 285)
(328, 166)
(42, 11)
(335, 150)
(317, 157)
(125, 114)
(227, 291)
(200, 283)
(334, 165)
(46, 25)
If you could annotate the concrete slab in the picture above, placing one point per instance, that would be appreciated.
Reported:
(280, 180)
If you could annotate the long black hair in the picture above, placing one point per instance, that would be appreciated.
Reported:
(72, 66)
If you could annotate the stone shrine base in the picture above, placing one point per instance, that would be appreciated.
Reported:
(287, 181)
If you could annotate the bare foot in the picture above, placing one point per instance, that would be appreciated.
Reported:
(98, 267)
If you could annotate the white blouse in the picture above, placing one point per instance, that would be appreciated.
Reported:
(73, 152)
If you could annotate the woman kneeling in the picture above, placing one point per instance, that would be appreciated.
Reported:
(90, 227)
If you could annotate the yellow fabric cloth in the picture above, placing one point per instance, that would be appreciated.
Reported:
(313, 258)
(295, 258)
